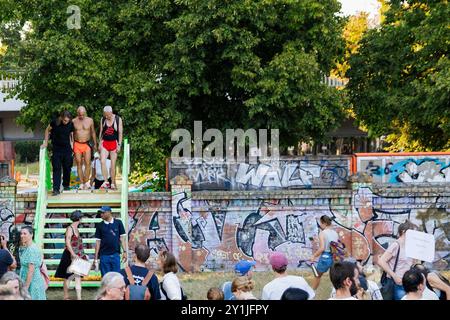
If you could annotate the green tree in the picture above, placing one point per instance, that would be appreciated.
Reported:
(400, 78)
(163, 64)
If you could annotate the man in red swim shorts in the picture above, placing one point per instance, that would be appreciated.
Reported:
(111, 129)
(83, 133)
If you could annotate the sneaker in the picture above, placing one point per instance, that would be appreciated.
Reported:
(87, 185)
(66, 189)
(105, 185)
(55, 193)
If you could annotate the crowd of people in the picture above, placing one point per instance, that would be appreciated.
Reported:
(76, 138)
(137, 281)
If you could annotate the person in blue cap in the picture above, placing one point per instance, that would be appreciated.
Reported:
(242, 268)
(110, 235)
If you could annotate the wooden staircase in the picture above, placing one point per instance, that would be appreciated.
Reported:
(53, 212)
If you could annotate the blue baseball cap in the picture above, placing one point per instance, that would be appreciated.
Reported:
(243, 267)
(105, 209)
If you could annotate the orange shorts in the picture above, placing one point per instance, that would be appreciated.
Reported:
(80, 147)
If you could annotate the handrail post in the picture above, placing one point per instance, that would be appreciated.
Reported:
(38, 224)
(124, 193)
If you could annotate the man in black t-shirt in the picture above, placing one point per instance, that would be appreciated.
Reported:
(60, 131)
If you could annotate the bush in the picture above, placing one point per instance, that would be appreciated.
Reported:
(27, 151)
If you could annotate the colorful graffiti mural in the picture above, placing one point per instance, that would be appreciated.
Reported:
(306, 172)
(214, 233)
(398, 169)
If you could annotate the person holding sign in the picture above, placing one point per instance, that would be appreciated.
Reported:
(394, 260)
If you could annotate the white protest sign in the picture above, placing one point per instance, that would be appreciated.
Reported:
(419, 245)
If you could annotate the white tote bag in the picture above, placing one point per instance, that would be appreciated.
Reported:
(80, 267)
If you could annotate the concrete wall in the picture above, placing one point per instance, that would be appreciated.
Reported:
(288, 173)
(406, 169)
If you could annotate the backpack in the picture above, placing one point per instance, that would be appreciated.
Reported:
(338, 250)
(135, 291)
(44, 274)
(183, 296)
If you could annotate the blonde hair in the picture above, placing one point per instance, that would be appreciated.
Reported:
(242, 283)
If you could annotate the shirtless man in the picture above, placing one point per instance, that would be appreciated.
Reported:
(84, 130)
(111, 132)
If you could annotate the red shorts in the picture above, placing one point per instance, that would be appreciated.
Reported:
(110, 145)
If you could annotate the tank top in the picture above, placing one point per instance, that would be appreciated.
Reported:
(110, 133)
(329, 235)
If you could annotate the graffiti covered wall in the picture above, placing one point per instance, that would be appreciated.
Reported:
(292, 173)
(410, 169)
(7, 210)
(213, 230)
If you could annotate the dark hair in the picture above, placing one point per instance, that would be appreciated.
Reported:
(280, 269)
(142, 252)
(405, 226)
(76, 215)
(411, 280)
(62, 115)
(29, 229)
(169, 262)
(295, 294)
(326, 220)
(340, 271)
(215, 294)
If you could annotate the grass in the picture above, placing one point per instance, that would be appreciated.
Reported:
(196, 285)
(33, 168)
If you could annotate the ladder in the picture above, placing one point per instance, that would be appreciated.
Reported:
(53, 212)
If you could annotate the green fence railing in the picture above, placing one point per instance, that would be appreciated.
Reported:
(44, 184)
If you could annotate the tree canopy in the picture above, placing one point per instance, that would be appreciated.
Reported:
(163, 64)
(400, 78)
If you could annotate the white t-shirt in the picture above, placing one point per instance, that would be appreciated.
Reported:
(349, 298)
(275, 288)
(171, 286)
(372, 290)
(429, 295)
(97, 166)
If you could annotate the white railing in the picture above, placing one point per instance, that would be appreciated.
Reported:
(334, 82)
(8, 82)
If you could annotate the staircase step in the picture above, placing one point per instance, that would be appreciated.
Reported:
(65, 220)
(84, 284)
(91, 273)
(62, 240)
(63, 230)
(84, 210)
(60, 251)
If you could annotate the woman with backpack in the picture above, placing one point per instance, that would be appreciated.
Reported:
(326, 236)
(394, 261)
(31, 262)
(170, 284)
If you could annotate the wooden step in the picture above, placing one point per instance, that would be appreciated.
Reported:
(63, 230)
(60, 251)
(65, 220)
(80, 200)
(62, 240)
(84, 284)
(84, 210)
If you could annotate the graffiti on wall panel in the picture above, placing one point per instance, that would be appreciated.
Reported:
(406, 170)
(6, 216)
(283, 174)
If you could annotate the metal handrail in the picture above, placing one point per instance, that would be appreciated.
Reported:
(41, 203)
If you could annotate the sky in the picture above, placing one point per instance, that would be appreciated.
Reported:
(354, 6)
